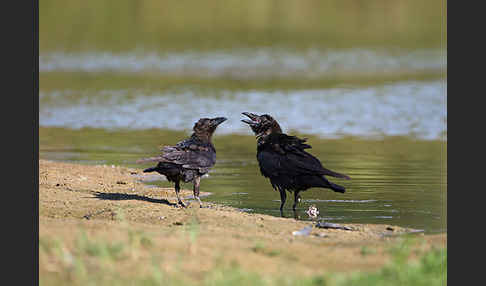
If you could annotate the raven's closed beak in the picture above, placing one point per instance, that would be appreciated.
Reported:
(254, 118)
(218, 120)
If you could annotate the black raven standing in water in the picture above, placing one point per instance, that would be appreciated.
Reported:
(284, 161)
(189, 159)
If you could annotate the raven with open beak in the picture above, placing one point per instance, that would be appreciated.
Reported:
(283, 159)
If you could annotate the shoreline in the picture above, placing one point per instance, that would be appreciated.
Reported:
(109, 203)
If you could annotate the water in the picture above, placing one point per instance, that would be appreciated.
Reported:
(395, 180)
(250, 63)
(405, 108)
(364, 81)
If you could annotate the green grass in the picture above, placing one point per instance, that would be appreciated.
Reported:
(262, 249)
(102, 249)
(367, 250)
(95, 261)
(431, 269)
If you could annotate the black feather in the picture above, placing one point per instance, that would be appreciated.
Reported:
(284, 161)
(189, 159)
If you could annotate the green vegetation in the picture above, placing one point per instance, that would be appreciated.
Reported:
(177, 25)
(119, 261)
(260, 248)
(213, 86)
(365, 250)
(431, 269)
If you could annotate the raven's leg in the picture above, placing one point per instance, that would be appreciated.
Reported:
(283, 197)
(197, 182)
(297, 199)
(177, 189)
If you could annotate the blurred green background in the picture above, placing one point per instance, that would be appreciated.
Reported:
(115, 26)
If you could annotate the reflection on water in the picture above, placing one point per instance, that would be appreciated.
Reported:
(396, 181)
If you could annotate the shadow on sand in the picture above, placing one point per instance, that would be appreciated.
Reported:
(121, 196)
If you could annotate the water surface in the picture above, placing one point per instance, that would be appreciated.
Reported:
(397, 180)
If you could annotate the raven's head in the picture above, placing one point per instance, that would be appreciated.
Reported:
(262, 125)
(205, 127)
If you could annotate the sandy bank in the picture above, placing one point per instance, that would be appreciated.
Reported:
(111, 203)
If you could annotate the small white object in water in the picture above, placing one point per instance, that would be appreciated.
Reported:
(313, 211)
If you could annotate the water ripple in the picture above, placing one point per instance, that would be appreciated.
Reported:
(405, 108)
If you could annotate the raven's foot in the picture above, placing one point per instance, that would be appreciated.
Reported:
(296, 215)
(181, 204)
(200, 203)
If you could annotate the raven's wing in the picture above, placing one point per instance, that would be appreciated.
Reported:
(285, 155)
(200, 159)
(187, 153)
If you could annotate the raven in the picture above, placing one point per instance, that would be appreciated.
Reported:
(283, 159)
(189, 159)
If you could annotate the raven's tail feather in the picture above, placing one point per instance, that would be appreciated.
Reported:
(150, 169)
(337, 188)
(151, 159)
(336, 174)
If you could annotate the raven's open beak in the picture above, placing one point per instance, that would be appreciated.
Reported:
(254, 119)
(218, 120)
